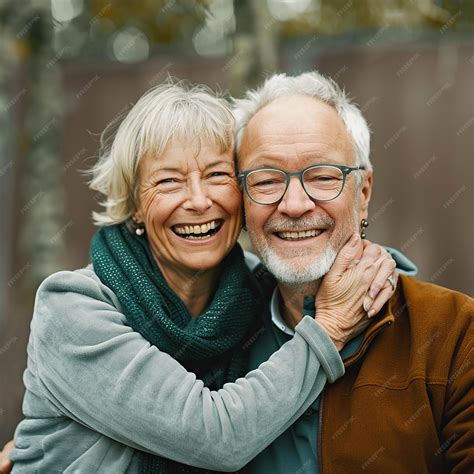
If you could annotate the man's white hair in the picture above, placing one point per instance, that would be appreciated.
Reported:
(170, 111)
(312, 84)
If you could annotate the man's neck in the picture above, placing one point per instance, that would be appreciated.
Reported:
(291, 301)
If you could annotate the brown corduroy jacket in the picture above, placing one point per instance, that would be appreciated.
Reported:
(406, 402)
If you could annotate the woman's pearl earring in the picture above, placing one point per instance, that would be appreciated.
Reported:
(139, 228)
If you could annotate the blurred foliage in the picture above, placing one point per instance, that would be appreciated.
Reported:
(93, 27)
(343, 16)
(163, 21)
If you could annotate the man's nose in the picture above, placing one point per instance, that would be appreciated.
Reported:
(197, 198)
(295, 202)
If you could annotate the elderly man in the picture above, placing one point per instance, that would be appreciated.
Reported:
(406, 403)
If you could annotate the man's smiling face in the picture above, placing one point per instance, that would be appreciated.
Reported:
(292, 133)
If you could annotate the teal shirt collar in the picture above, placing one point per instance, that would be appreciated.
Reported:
(277, 318)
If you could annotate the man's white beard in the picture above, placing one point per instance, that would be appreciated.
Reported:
(311, 269)
(297, 266)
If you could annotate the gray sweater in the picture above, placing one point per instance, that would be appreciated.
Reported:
(96, 391)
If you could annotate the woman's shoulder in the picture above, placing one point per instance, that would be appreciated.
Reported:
(77, 298)
(82, 283)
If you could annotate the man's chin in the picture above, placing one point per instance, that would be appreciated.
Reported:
(294, 269)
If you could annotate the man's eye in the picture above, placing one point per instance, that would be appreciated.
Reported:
(326, 178)
(266, 182)
(165, 181)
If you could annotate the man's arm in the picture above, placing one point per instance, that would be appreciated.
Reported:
(458, 422)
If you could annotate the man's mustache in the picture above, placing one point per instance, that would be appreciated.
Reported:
(299, 224)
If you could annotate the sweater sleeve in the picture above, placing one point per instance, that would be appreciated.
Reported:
(99, 372)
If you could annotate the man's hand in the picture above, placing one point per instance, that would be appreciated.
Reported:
(5, 463)
(355, 289)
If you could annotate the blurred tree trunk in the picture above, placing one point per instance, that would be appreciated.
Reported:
(255, 46)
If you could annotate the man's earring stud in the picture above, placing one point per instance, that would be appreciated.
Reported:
(363, 225)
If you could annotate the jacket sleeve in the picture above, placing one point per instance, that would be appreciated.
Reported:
(457, 441)
(99, 372)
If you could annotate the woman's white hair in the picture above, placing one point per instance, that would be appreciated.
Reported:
(170, 111)
(312, 84)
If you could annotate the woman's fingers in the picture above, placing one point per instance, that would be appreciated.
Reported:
(378, 277)
(369, 266)
(384, 295)
(5, 463)
(384, 272)
(340, 305)
(348, 255)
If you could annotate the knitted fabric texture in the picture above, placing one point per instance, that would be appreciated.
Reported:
(211, 345)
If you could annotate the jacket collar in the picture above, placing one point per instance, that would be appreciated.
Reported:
(387, 316)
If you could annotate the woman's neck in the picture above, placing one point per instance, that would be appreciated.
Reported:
(194, 288)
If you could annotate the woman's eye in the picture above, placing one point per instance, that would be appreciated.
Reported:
(219, 176)
(218, 173)
(168, 185)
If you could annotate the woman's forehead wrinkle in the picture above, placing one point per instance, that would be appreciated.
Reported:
(198, 161)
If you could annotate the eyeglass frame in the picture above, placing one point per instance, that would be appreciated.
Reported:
(346, 170)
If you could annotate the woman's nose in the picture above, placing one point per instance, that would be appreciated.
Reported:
(197, 198)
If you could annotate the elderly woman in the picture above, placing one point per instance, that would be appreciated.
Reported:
(138, 362)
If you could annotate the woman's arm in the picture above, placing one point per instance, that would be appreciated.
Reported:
(101, 373)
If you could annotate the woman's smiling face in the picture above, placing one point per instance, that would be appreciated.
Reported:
(190, 204)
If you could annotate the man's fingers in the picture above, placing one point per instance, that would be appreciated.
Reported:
(350, 252)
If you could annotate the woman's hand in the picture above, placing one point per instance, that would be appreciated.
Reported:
(355, 289)
(5, 463)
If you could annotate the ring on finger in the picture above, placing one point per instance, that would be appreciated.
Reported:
(391, 281)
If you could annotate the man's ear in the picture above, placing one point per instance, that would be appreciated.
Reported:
(365, 194)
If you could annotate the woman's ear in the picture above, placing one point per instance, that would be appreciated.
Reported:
(137, 216)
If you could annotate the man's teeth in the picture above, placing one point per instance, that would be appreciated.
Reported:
(299, 235)
(196, 229)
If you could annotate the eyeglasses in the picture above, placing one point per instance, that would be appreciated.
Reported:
(321, 182)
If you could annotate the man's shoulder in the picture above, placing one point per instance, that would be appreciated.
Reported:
(433, 296)
(434, 309)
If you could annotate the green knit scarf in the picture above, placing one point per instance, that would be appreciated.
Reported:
(213, 345)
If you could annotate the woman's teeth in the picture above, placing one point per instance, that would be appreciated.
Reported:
(299, 235)
(201, 231)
